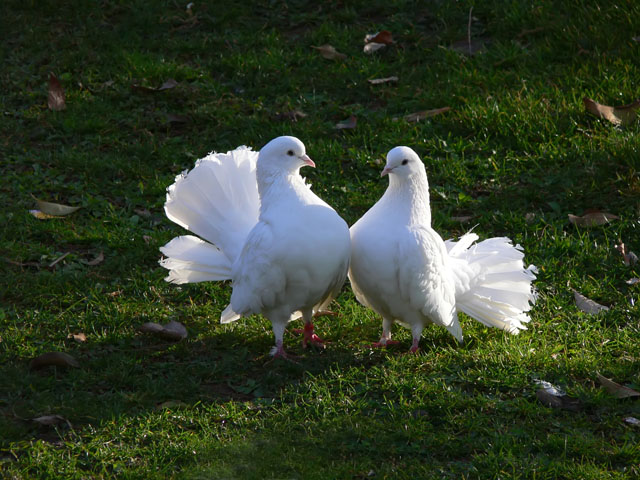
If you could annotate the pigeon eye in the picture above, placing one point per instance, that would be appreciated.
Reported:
(290, 153)
(405, 161)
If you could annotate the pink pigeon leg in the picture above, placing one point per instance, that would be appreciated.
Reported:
(416, 332)
(278, 331)
(308, 335)
(385, 339)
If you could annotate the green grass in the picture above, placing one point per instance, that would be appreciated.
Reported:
(517, 141)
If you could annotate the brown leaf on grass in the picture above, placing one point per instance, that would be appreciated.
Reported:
(147, 239)
(421, 115)
(167, 85)
(53, 209)
(622, 115)
(383, 36)
(467, 47)
(329, 52)
(631, 421)
(56, 98)
(173, 119)
(462, 218)
(96, 261)
(292, 115)
(51, 420)
(171, 331)
(592, 219)
(587, 305)
(349, 123)
(628, 256)
(371, 47)
(553, 397)
(58, 359)
(78, 337)
(378, 81)
(41, 215)
(617, 390)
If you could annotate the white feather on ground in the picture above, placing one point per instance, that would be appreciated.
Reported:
(285, 250)
(402, 269)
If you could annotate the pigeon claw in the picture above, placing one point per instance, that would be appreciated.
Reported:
(311, 338)
(278, 352)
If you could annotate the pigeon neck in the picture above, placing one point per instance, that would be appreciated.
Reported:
(411, 198)
(276, 184)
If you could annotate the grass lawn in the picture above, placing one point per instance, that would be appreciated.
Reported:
(516, 152)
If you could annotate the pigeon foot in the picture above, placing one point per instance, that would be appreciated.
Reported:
(311, 338)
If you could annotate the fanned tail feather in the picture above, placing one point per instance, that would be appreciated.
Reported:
(190, 260)
(218, 201)
(492, 284)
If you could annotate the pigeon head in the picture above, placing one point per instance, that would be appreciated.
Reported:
(402, 162)
(284, 154)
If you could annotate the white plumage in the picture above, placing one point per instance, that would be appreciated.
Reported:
(402, 269)
(285, 250)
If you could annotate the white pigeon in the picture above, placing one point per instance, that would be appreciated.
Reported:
(402, 269)
(284, 249)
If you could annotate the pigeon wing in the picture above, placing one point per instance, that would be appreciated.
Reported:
(259, 280)
(424, 276)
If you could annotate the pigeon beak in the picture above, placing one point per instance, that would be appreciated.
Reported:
(307, 161)
(386, 171)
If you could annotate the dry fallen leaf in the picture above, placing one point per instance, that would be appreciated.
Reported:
(462, 218)
(347, 124)
(529, 217)
(96, 261)
(40, 215)
(53, 209)
(51, 420)
(383, 36)
(55, 100)
(329, 52)
(592, 219)
(167, 85)
(554, 397)
(467, 47)
(378, 81)
(629, 257)
(371, 47)
(58, 359)
(421, 115)
(622, 115)
(292, 115)
(631, 421)
(587, 305)
(176, 120)
(78, 337)
(171, 331)
(617, 390)
(147, 239)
